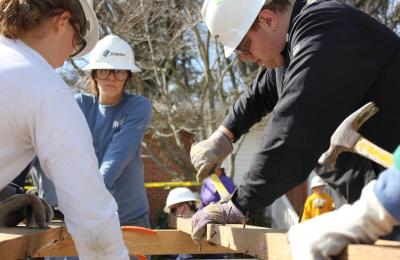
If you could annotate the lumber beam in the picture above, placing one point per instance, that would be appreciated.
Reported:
(263, 243)
(22, 242)
(266, 243)
(163, 242)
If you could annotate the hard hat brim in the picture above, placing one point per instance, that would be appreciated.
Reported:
(101, 66)
(167, 208)
(92, 35)
(228, 51)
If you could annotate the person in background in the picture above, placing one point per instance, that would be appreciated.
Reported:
(319, 202)
(117, 121)
(374, 215)
(40, 117)
(209, 193)
(181, 202)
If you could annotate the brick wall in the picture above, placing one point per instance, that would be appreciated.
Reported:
(154, 173)
(156, 196)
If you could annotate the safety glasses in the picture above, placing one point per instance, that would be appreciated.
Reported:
(78, 41)
(118, 74)
(244, 46)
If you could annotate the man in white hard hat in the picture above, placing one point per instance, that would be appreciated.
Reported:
(324, 60)
(40, 117)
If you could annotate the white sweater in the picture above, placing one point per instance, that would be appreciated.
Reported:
(39, 115)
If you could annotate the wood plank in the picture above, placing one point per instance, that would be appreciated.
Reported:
(21, 242)
(263, 243)
(164, 242)
(387, 250)
(266, 243)
(182, 224)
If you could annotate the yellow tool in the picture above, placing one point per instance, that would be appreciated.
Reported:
(219, 185)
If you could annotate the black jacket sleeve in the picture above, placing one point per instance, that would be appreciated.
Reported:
(335, 60)
(253, 104)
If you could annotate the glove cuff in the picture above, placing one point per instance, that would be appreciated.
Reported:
(377, 220)
(223, 142)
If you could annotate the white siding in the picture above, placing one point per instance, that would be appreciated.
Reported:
(246, 152)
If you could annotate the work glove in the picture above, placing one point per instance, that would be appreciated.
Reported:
(208, 155)
(327, 235)
(215, 213)
(24, 207)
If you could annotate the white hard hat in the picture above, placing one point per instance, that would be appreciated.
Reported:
(316, 181)
(179, 195)
(112, 52)
(230, 20)
(92, 34)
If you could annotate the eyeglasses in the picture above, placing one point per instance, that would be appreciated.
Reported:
(118, 74)
(243, 47)
(78, 41)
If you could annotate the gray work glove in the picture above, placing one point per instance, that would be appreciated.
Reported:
(327, 235)
(215, 213)
(209, 154)
(24, 207)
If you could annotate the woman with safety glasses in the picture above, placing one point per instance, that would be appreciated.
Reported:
(118, 121)
(39, 116)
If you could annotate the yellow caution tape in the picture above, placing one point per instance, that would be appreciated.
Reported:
(159, 184)
(172, 184)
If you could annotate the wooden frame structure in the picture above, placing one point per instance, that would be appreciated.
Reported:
(262, 243)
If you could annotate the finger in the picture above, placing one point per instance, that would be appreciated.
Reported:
(204, 172)
(198, 233)
(48, 209)
(38, 211)
(16, 202)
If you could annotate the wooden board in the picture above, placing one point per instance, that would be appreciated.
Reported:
(21, 242)
(164, 242)
(266, 243)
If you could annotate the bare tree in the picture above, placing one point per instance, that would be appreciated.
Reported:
(184, 71)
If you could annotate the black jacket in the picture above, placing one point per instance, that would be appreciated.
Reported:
(337, 59)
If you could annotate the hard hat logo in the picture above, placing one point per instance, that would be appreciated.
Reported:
(110, 53)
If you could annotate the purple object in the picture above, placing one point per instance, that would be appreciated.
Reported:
(209, 192)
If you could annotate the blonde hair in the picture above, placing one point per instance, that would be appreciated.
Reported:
(20, 16)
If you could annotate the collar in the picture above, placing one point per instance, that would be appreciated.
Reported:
(297, 8)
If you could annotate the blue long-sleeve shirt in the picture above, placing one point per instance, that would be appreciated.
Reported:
(387, 187)
(117, 136)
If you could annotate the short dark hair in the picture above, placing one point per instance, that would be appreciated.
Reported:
(273, 5)
(19, 16)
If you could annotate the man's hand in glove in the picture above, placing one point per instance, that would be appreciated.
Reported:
(30, 208)
(208, 155)
(217, 213)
